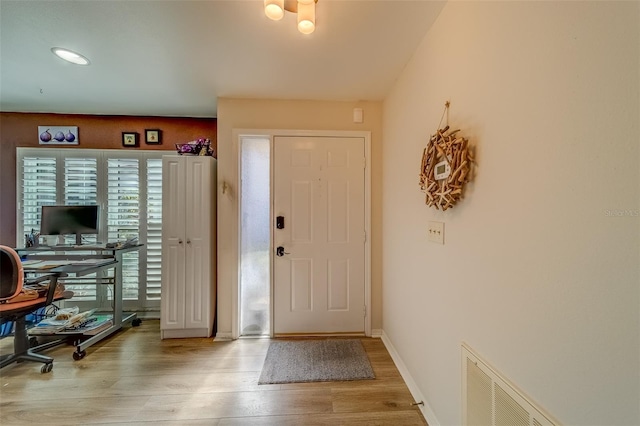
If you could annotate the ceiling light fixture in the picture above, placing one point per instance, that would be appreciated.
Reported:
(70, 56)
(274, 9)
(305, 9)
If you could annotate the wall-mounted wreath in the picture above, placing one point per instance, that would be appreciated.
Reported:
(446, 167)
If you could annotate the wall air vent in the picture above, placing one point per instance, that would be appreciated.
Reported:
(488, 399)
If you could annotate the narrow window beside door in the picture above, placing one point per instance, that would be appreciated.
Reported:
(255, 237)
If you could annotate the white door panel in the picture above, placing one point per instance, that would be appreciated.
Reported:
(319, 285)
(173, 265)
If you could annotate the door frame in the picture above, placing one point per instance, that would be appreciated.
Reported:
(237, 135)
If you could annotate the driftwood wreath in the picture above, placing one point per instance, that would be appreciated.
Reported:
(446, 167)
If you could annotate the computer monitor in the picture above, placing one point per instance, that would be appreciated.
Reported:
(61, 220)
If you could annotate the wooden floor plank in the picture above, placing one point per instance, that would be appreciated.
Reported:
(135, 378)
(406, 418)
(236, 404)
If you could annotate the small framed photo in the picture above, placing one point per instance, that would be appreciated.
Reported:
(153, 136)
(130, 139)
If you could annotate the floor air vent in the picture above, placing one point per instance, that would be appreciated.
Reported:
(489, 400)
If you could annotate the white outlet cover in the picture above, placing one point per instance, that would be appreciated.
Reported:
(358, 115)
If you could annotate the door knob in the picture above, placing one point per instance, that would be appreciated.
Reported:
(280, 251)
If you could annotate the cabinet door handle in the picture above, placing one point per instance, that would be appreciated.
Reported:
(188, 241)
(179, 241)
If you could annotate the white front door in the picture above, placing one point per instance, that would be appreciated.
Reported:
(319, 191)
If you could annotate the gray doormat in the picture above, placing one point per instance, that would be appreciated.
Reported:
(315, 361)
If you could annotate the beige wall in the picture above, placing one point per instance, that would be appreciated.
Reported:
(287, 115)
(539, 272)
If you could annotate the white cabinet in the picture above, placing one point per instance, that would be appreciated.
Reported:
(188, 246)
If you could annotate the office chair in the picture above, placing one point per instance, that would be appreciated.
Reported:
(14, 307)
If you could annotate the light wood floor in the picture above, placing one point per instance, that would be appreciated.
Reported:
(134, 378)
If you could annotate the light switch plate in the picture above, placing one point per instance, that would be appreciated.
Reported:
(435, 232)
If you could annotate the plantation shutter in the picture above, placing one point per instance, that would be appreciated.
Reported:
(123, 216)
(81, 187)
(154, 228)
(128, 187)
(38, 182)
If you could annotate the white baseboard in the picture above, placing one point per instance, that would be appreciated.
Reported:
(376, 333)
(223, 337)
(425, 408)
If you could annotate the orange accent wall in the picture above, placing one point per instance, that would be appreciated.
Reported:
(94, 132)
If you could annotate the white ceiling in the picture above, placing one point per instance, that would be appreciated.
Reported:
(175, 58)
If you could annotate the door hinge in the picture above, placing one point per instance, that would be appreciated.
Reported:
(364, 162)
(364, 236)
(364, 310)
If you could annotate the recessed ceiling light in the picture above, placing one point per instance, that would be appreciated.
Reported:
(70, 56)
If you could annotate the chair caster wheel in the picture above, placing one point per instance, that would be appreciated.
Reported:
(136, 322)
(79, 355)
(46, 368)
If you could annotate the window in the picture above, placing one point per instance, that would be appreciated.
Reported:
(127, 186)
(80, 177)
(123, 216)
(154, 228)
(38, 182)
(80, 187)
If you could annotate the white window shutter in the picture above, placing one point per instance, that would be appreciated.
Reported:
(128, 186)
(81, 187)
(123, 216)
(80, 181)
(38, 188)
(154, 228)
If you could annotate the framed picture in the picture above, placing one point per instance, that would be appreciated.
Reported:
(58, 135)
(153, 136)
(129, 139)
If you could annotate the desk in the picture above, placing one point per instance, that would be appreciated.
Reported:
(68, 260)
(68, 267)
